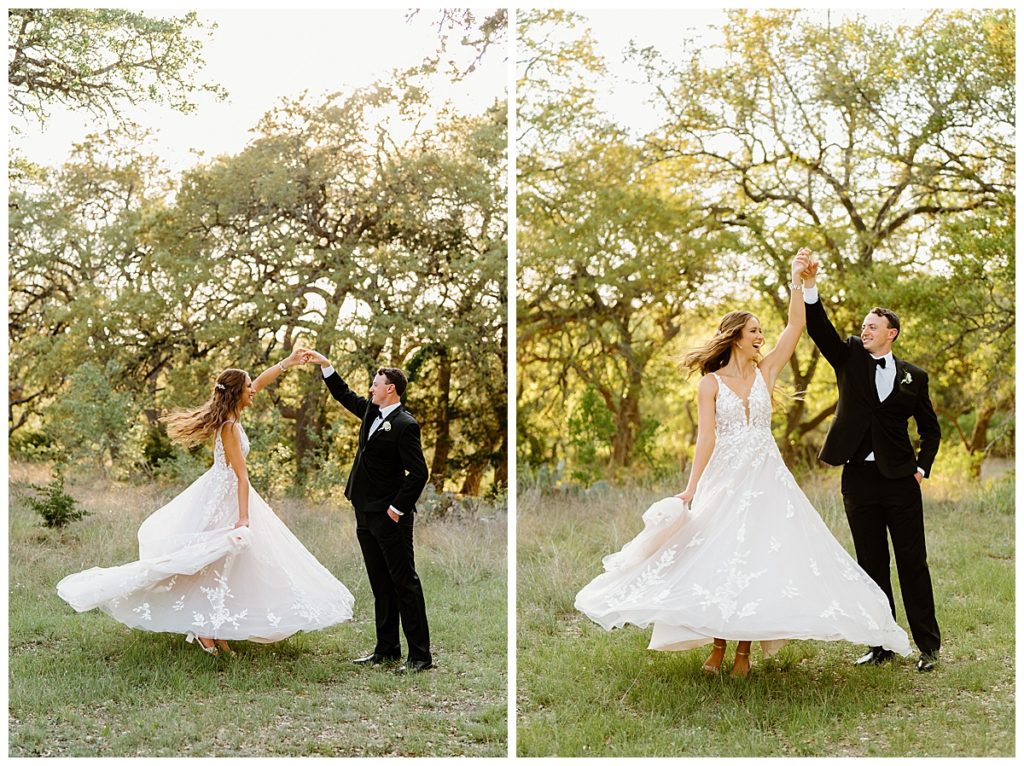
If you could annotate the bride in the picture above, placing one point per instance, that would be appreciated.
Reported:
(740, 554)
(216, 563)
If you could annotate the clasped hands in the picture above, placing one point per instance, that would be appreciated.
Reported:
(804, 266)
(302, 355)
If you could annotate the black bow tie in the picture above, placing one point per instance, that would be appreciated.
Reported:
(880, 362)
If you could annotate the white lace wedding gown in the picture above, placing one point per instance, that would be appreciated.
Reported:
(196, 573)
(749, 560)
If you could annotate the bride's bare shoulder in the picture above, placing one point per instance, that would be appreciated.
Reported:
(708, 384)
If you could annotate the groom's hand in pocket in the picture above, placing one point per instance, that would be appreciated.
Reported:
(393, 516)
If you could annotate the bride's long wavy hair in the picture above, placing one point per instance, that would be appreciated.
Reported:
(716, 353)
(192, 427)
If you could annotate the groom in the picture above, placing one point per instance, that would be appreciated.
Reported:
(878, 394)
(387, 477)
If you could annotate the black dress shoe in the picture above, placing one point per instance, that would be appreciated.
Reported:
(414, 666)
(927, 662)
(375, 659)
(876, 656)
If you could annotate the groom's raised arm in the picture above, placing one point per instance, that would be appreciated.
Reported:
(822, 331)
(339, 389)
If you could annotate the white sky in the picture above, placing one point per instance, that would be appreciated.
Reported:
(259, 56)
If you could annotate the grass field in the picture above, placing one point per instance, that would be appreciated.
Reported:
(583, 691)
(84, 685)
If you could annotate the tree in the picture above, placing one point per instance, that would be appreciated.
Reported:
(478, 36)
(854, 139)
(887, 149)
(100, 60)
(610, 250)
(373, 251)
(963, 324)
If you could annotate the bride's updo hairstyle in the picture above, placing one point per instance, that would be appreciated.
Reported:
(192, 427)
(715, 354)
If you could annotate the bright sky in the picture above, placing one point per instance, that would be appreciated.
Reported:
(260, 56)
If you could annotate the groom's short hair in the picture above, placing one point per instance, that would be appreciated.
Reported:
(395, 377)
(894, 321)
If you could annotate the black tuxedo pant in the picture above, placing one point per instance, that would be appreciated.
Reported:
(878, 508)
(397, 592)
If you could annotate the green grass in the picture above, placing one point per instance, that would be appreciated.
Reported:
(84, 685)
(583, 691)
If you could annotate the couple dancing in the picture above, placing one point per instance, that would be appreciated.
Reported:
(741, 554)
(216, 563)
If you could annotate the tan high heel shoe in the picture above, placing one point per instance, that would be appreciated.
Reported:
(736, 672)
(714, 669)
(211, 649)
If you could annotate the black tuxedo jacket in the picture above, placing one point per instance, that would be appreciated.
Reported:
(389, 468)
(860, 410)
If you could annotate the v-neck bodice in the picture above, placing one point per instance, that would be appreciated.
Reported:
(734, 414)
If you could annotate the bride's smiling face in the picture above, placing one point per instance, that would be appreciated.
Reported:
(248, 392)
(750, 341)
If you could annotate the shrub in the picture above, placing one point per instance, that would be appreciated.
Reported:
(56, 506)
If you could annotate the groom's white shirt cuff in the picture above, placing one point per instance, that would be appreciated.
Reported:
(328, 371)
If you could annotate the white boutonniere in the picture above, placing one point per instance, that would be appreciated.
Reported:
(907, 378)
(386, 425)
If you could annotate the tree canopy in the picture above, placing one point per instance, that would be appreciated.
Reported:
(887, 149)
(101, 60)
(370, 225)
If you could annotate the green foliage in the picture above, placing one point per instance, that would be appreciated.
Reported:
(98, 60)
(32, 445)
(157, 447)
(56, 507)
(94, 414)
(591, 428)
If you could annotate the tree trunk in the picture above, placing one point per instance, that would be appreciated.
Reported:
(443, 441)
(474, 478)
(627, 426)
(979, 439)
(500, 461)
(310, 426)
(979, 436)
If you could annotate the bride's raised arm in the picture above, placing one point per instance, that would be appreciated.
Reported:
(779, 356)
(269, 375)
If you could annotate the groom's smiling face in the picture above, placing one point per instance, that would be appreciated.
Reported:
(382, 391)
(876, 334)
